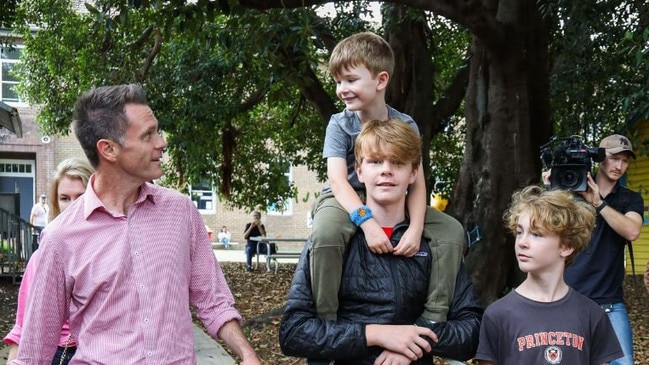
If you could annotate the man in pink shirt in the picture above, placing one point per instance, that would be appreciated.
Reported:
(125, 262)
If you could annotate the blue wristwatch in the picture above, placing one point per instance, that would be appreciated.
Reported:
(360, 215)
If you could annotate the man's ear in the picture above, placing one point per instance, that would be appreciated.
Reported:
(107, 149)
(383, 77)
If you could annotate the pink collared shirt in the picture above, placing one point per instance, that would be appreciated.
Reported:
(126, 282)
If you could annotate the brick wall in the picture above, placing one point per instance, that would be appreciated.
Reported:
(293, 225)
(67, 147)
(32, 146)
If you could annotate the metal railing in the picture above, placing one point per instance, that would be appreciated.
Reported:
(17, 243)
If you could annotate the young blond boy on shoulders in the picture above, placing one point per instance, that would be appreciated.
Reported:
(361, 66)
(543, 320)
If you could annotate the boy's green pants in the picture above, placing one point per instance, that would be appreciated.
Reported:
(332, 229)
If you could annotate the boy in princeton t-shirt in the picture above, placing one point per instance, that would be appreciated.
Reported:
(543, 320)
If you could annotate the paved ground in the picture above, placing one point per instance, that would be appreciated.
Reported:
(208, 351)
(232, 255)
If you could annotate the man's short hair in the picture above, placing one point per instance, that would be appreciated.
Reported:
(366, 49)
(558, 211)
(99, 114)
(393, 139)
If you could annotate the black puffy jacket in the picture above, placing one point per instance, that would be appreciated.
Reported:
(377, 289)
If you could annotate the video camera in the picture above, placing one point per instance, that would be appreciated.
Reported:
(570, 161)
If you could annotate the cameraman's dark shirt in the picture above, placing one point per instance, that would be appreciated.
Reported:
(598, 271)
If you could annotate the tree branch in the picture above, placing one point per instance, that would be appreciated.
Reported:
(157, 45)
(139, 42)
(472, 14)
(454, 94)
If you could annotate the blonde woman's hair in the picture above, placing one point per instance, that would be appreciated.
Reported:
(366, 49)
(73, 168)
(558, 211)
(392, 139)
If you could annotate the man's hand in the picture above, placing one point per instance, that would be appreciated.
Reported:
(409, 243)
(233, 336)
(407, 340)
(376, 238)
(592, 194)
(388, 357)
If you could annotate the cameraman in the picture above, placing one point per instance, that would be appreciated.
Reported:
(598, 272)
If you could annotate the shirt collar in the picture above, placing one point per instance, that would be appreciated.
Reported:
(92, 202)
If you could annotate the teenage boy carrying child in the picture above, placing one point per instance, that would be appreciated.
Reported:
(382, 296)
(361, 66)
(543, 320)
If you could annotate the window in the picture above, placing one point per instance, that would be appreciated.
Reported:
(16, 168)
(203, 196)
(282, 206)
(9, 57)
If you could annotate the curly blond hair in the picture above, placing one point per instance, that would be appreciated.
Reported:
(558, 211)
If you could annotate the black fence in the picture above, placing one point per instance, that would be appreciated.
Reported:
(17, 243)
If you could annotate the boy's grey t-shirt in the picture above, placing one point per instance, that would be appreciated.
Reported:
(341, 134)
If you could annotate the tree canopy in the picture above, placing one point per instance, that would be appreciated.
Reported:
(240, 87)
(236, 91)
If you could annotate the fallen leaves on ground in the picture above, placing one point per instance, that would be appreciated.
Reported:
(260, 296)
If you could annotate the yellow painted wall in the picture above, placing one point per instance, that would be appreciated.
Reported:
(638, 180)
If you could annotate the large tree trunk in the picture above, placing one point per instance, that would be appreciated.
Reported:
(507, 120)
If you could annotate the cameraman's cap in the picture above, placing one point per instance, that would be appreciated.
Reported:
(617, 143)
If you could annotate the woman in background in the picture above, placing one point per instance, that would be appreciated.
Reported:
(69, 183)
(224, 237)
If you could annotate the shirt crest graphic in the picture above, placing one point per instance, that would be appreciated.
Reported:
(553, 355)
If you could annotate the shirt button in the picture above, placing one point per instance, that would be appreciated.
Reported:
(149, 353)
(146, 320)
